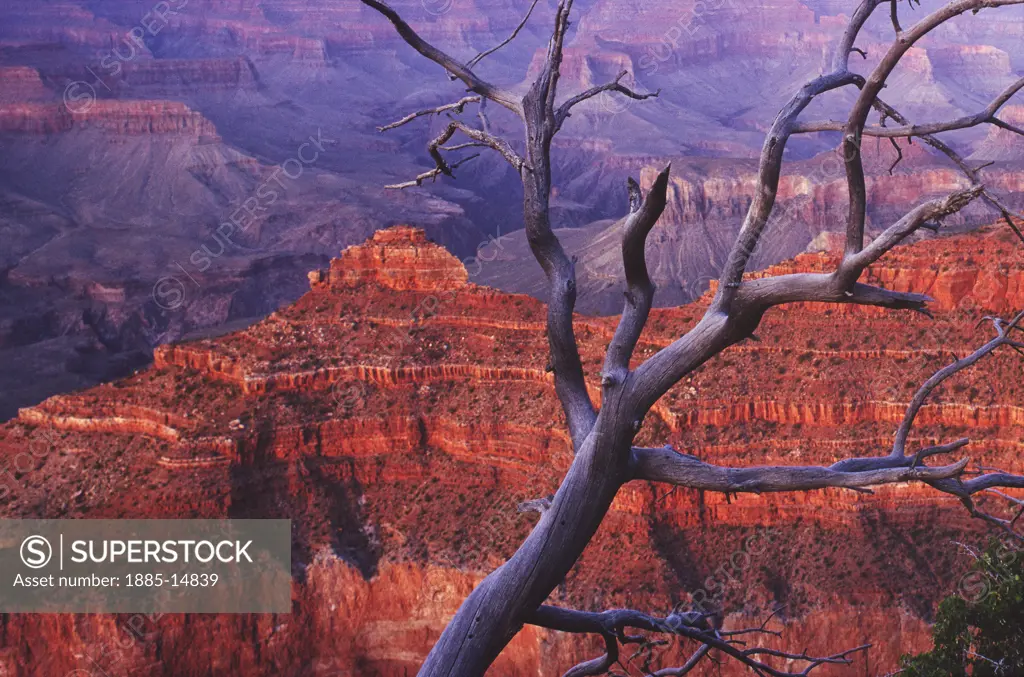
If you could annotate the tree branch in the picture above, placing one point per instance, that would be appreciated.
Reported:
(449, 63)
(613, 623)
(538, 111)
(749, 300)
(457, 106)
(895, 18)
(482, 55)
(853, 131)
(1006, 125)
(644, 214)
(431, 174)
(687, 667)
(614, 86)
(600, 665)
(921, 216)
(841, 56)
(441, 166)
(667, 465)
(768, 182)
(503, 147)
(772, 155)
(982, 117)
(1002, 338)
(974, 174)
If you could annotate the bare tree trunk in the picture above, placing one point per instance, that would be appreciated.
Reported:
(496, 610)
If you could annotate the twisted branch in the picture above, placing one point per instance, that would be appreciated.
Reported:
(974, 174)
(441, 166)
(667, 465)
(463, 72)
(988, 115)
(644, 213)
(615, 85)
(457, 106)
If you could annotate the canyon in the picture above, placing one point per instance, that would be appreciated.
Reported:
(398, 413)
(132, 133)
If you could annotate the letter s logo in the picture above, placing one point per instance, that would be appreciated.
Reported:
(36, 552)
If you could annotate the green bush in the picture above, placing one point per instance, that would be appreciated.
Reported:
(983, 635)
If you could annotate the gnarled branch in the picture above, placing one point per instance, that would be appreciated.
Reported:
(1002, 338)
(539, 114)
(769, 172)
(986, 116)
(431, 174)
(457, 106)
(441, 165)
(599, 665)
(853, 131)
(749, 300)
(449, 63)
(613, 623)
(615, 85)
(972, 173)
(667, 465)
(664, 464)
(644, 213)
(921, 216)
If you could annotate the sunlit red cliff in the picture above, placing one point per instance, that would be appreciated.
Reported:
(398, 414)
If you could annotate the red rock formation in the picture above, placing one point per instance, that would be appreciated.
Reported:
(397, 414)
(401, 259)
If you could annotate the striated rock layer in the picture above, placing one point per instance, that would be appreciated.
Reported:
(398, 413)
(112, 116)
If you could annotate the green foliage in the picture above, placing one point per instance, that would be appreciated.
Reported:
(979, 632)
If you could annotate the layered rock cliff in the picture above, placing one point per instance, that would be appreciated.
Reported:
(128, 128)
(121, 118)
(398, 414)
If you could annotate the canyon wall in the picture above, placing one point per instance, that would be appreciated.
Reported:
(131, 135)
(398, 414)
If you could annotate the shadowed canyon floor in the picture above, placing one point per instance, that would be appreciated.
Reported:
(398, 414)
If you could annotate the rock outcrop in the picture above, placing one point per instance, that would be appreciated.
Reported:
(21, 83)
(121, 118)
(401, 259)
(398, 414)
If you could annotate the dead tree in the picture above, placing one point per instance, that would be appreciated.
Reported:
(604, 455)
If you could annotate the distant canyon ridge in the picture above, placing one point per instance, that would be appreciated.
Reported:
(175, 168)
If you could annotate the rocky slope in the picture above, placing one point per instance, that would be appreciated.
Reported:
(398, 413)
